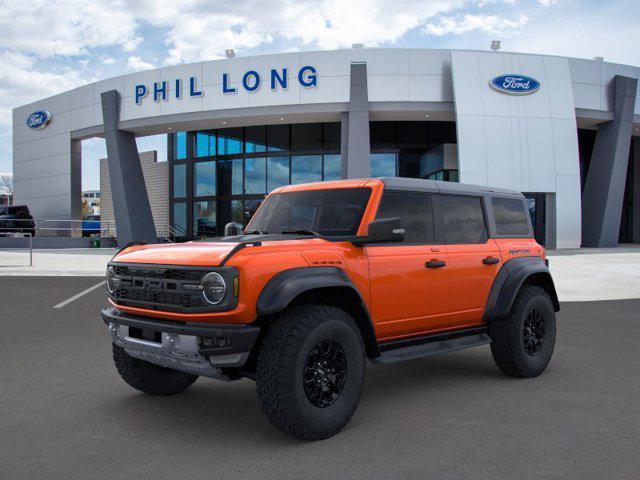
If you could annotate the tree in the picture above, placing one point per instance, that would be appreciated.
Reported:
(86, 209)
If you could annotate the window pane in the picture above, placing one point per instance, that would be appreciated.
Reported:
(180, 218)
(332, 166)
(237, 214)
(255, 139)
(383, 135)
(511, 217)
(463, 219)
(306, 137)
(229, 141)
(205, 144)
(277, 172)
(179, 180)
(180, 146)
(278, 137)
(250, 208)
(204, 182)
(230, 177)
(331, 212)
(204, 219)
(306, 168)
(412, 134)
(255, 175)
(432, 162)
(332, 136)
(383, 165)
(415, 211)
(409, 164)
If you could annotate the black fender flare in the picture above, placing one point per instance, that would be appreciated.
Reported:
(285, 286)
(510, 279)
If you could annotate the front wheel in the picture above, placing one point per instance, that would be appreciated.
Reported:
(523, 342)
(310, 371)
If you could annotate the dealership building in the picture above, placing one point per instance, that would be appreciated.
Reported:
(564, 131)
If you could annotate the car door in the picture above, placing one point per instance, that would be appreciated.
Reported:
(474, 259)
(409, 281)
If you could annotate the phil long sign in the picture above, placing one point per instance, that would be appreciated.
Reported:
(275, 79)
(515, 84)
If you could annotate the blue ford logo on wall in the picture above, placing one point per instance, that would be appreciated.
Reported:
(515, 84)
(38, 119)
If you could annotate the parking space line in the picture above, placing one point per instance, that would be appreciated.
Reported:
(78, 295)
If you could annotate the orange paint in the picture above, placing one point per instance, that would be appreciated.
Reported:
(403, 297)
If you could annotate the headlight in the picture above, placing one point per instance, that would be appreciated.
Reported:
(213, 287)
(111, 273)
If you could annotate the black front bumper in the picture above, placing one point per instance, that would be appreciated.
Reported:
(241, 337)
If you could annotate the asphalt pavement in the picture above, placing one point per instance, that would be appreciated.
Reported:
(66, 414)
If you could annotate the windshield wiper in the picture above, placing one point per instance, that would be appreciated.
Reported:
(256, 232)
(303, 231)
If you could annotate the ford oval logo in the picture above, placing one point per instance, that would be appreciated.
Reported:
(515, 84)
(38, 119)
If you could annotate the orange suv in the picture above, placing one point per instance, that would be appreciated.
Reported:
(326, 275)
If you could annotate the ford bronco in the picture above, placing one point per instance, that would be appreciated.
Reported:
(325, 276)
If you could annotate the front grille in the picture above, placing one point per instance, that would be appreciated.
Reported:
(158, 288)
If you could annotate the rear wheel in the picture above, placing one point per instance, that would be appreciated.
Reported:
(150, 378)
(523, 342)
(310, 371)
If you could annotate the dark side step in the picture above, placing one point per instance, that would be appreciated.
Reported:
(398, 351)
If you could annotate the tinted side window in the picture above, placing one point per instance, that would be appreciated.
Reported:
(463, 219)
(511, 217)
(415, 211)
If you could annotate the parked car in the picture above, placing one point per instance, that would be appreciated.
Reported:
(325, 276)
(91, 225)
(16, 219)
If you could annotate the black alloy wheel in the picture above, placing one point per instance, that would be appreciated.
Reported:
(533, 332)
(325, 373)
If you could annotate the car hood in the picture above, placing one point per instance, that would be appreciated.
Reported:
(190, 253)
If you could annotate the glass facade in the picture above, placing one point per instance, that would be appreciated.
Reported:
(406, 149)
(222, 175)
(219, 176)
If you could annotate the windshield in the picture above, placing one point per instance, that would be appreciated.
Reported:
(334, 212)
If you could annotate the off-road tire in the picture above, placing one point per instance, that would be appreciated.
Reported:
(507, 334)
(150, 378)
(283, 363)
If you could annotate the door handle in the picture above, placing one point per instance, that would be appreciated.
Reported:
(490, 260)
(435, 264)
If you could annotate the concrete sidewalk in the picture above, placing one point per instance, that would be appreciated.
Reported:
(87, 262)
(580, 275)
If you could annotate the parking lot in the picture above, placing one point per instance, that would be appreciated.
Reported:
(65, 413)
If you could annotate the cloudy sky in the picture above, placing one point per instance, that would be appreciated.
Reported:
(49, 46)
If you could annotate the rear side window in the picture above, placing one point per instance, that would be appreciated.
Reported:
(463, 219)
(510, 216)
(415, 211)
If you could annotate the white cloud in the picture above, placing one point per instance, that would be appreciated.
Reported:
(21, 83)
(547, 3)
(135, 64)
(327, 24)
(608, 35)
(493, 24)
(66, 27)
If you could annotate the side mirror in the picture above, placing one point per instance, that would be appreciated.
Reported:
(383, 230)
(232, 229)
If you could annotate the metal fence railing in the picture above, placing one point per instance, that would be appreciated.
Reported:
(57, 228)
(171, 232)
